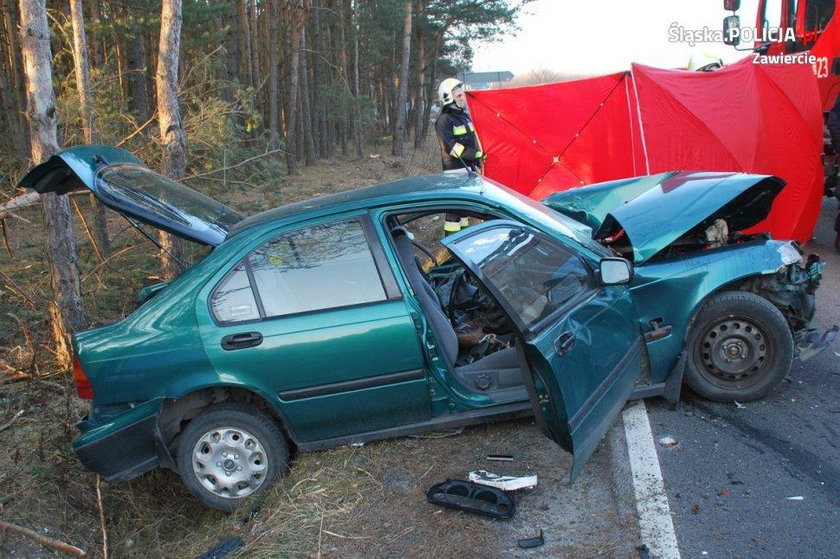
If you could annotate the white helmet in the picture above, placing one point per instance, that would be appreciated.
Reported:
(704, 62)
(445, 91)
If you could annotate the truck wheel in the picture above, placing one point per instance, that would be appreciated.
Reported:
(230, 452)
(739, 349)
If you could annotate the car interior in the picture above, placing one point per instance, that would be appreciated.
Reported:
(475, 336)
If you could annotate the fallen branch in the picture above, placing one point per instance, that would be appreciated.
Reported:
(46, 542)
(12, 421)
(101, 520)
(228, 168)
(6, 210)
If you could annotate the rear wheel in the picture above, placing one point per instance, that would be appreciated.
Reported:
(740, 348)
(230, 452)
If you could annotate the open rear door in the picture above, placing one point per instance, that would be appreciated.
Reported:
(581, 341)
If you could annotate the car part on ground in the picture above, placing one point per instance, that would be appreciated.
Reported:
(229, 453)
(740, 348)
(472, 497)
(528, 543)
(505, 483)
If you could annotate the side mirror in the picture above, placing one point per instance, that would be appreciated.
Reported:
(732, 5)
(732, 31)
(615, 271)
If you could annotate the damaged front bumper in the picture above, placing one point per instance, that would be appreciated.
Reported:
(810, 342)
(791, 289)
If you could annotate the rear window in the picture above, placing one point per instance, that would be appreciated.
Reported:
(146, 192)
(322, 267)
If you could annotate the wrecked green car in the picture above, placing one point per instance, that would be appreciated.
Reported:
(353, 317)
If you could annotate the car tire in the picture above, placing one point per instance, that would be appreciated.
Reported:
(739, 348)
(230, 453)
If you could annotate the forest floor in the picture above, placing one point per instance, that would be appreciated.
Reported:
(349, 502)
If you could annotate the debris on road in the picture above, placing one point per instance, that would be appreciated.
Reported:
(500, 457)
(739, 405)
(796, 498)
(505, 483)
(668, 441)
(472, 497)
(527, 543)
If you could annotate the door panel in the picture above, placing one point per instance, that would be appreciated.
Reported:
(582, 344)
(311, 317)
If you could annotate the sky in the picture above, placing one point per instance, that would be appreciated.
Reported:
(603, 36)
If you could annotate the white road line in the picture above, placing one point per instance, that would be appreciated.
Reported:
(655, 522)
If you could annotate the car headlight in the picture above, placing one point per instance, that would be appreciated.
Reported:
(790, 254)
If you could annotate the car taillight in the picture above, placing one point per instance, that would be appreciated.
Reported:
(83, 387)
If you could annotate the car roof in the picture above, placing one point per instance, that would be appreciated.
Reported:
(414, 188)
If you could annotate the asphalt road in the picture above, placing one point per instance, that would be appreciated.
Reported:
(762, 480)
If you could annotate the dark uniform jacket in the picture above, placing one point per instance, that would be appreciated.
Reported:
(457, 138)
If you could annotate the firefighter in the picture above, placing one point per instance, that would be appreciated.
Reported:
(459, 146)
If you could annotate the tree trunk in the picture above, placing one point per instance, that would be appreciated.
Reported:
(244, 40)
(307, 127)
(15, 79)
(274, 73)
(65, 310)
(169, 121)
(15, 133)
(402, 97)
(420, 101)
(358, 131)
(137, 73)
(297, 18)
(82, 70)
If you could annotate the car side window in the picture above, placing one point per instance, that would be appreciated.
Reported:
(320, 267)
(233, 300)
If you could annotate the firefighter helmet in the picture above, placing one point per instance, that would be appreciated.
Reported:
(704, 62)
(445, 91)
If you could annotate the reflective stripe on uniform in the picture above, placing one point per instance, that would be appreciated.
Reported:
(459, 130)
(472, 128)
(457, 150)
(465, 222)
(451, 226)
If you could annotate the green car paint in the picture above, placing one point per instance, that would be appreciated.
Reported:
(352, 373)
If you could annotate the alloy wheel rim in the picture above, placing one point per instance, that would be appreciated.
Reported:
(229, 462)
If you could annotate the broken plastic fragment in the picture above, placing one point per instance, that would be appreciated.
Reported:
(471, 497)
(536, 541)
(500, 457)
(739, 405)
(505, 483)
(796, 498)
(668, 441)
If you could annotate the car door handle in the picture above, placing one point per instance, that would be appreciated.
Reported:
(565, 343)
(242, 340)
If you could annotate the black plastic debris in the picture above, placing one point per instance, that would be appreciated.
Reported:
(500, 457)
(527, 543)
(472, 497)
(226, 545)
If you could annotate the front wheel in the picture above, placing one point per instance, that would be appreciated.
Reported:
(230, 452)
(740, 348)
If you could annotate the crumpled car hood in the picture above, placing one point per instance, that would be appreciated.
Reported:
(654, 211)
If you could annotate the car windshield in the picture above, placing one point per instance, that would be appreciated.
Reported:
(534, 276)
(537, 212)
(161, 199)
